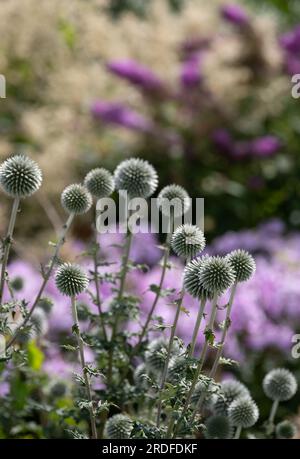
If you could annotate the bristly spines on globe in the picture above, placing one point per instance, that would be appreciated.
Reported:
(187, 241)
(230, 391)
(71, 280)
(118, 427)
(191, 279)
(243, 264)
(217, 275)
(76, 199)
(137, 177)
(99, 182)
(175, 195)
(218, 427)
(280, 384)
(20, 176)
(243, 412)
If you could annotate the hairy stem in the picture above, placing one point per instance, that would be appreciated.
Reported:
(273, 411)
(197, 327)
(7, 244)
(170, 346)
(84, 368)
(46, 279)
(237, 433)
(158, 292)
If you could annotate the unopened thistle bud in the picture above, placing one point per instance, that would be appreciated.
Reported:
(243, 264)
(243, 412)
(191, 279)
(99, 182)
(137, 177)
(76, 199)
(118, 427)
(173, 198)
(187, 240)
(20, 176)
(217, 275)
(71, 280)
(280, 384)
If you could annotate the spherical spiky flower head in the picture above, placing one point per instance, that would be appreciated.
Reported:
(230, 391)
(20, 176)
(71, 280)
(218, 427)
(187, 240)
(138, 376)
(243, 412)
(191, 279)
(118, 426)
(99, 182)
(217, 275)
(200, 388)
(177, 369)
(76, 199)
(243, 264)
(173, 198)
(156, 355)
(280, 384)
(137, 177)
(286, 429)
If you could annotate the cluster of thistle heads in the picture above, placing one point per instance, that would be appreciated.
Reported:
(228, 408)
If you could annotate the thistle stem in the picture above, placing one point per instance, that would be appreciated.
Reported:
(197, 327)
(7, 244)
(238, 433)
(170, 346)
(158, 292)
(273, 411)
(46, 279)
(84, 368)
(200, 362)
(98, 296)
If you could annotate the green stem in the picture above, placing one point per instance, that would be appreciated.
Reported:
(273, 411)
(46, 279)
(200, 362)
(7, 243)
(238, 433)
(98, 296)
(170, 346)
(84, 368)
(158, 293)
(197, 327)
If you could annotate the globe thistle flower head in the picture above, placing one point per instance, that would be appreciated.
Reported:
(218, 427)
(177, 369)
(217, 275)
(71, 280)
(243, 412)
(20, 176)
(99, 182)
(243, 264)
(76, 199)
(210, 398)
(187, 240)
(137, 177)
(138, 377)
(230, 391)
(156, 355)
(191, 279)
(280, 384)
(173, 198)
(286, 429)
(118, 426)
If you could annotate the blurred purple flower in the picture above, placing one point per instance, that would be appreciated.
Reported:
(292, 64)
(191, 71)
(223, 140)
(234, 14)
(265, 146)
(291, 40)
(136, 74)
(117, 113)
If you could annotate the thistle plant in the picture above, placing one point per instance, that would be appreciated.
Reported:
(71, 280)
(242, 413)
(177, 197)
(137, 177)
(230, 391)
(68, 200)
(279, 385)
(118, 427)
(20, 177)
(286, 430)
(218, 427)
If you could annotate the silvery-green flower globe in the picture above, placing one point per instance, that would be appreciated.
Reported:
(200, 388)
(76, 199)
(99, 182)
(217, 275)
(218, 427)
(20, 176)
(286, 429)
(187, 240)
(230, 391)
(177, 369)
(118, 426)
(173, 198)
(156, 355)
(243, 412)
(71, 280)
(191, 279)
(243, 264)
(280, 384)
(137, 177)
